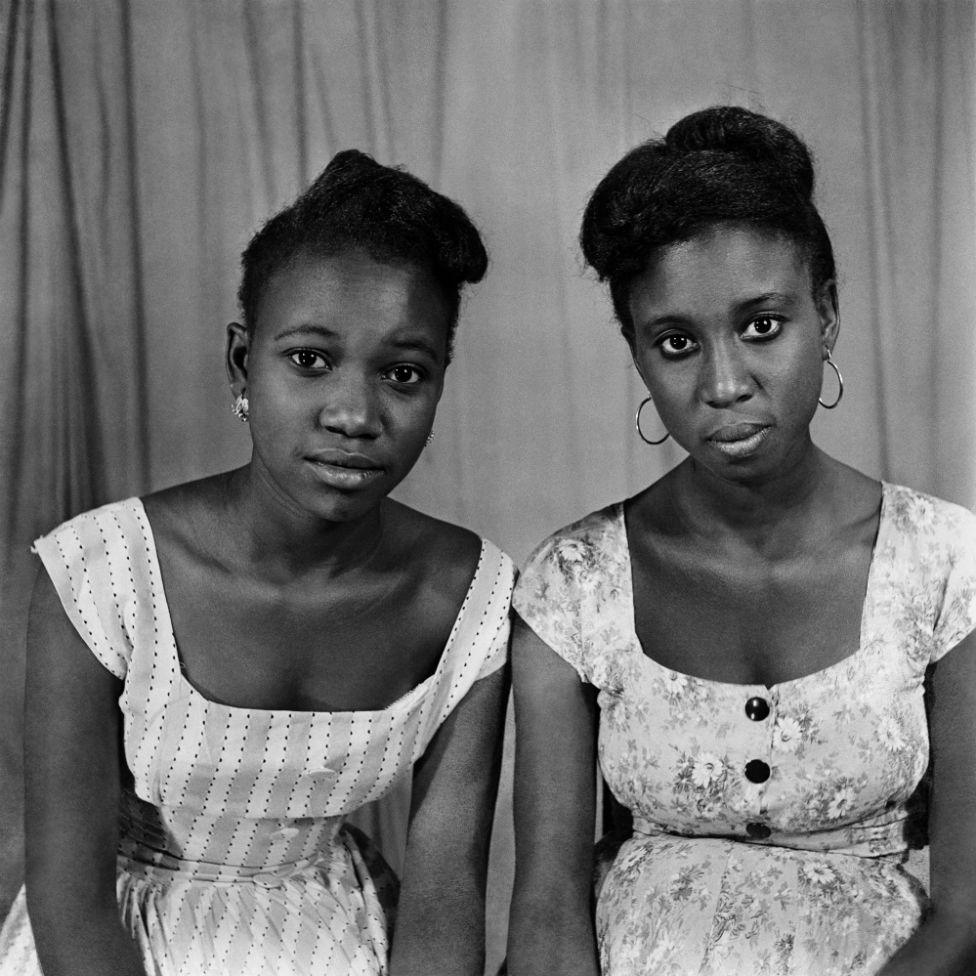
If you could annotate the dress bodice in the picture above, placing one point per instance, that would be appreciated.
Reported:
(221, 787)
(795, 803)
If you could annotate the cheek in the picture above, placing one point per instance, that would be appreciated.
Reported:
(673, 385)
(678, 412)
(269, 404)
(277, 407)
(416, 420)
(803, 375)
(419, 407)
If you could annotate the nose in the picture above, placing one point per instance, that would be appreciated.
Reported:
(725, 376)
(350, 406)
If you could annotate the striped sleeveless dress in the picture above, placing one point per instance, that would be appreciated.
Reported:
(235, 854)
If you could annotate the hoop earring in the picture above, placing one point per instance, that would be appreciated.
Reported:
(840, 385)
(240, 408)
(637, 421)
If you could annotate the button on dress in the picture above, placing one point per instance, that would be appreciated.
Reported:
(235, 855)
(772, 825)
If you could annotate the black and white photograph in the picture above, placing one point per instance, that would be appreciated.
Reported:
(488, 487)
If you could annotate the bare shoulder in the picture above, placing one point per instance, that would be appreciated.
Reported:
(650, 513)
(188, 515)
(190, 499)
(436, 563)
(854, 502)
(439, 551)
(862, 491)
(452, 546)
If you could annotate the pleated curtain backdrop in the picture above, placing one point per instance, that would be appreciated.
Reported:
(143, 141)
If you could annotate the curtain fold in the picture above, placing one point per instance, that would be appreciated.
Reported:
(917, 98)
(142, 142)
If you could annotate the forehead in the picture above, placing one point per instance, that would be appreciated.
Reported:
(723, 265)
(350, 292)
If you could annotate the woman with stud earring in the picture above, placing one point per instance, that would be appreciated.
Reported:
(219, 673)
(765, 647)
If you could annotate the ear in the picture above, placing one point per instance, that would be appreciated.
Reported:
(238, 347)
(827, 308)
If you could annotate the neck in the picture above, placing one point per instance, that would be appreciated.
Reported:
(772, 513)
(287, 542)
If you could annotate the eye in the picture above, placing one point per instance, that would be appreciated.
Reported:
(308, 359)
(675, 345)
(405, 374)
(763, 327)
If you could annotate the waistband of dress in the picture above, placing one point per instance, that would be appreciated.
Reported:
(157, 867)
(876, 845)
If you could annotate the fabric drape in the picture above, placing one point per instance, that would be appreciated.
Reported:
(143, 141)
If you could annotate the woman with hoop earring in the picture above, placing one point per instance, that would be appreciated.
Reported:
(747, 643)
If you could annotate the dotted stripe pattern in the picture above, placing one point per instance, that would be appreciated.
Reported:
(234, 855)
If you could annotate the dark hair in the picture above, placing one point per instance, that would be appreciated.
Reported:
(719, 164)
(359, 204)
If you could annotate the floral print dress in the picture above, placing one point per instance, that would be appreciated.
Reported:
(771, 824)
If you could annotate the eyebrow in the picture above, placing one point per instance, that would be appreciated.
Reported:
(304, 330)
(776, 297)
(324, 332)
(420, 345)
(769, 297)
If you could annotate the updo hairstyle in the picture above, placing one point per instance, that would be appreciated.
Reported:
(359, 204)
(719, 164)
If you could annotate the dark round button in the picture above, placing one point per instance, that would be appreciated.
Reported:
(757, 709)
(758, 830)
(757, 771)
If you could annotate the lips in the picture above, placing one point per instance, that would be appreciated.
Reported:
(343, 459)
(736, 432)
(344, 470)
(739, 440)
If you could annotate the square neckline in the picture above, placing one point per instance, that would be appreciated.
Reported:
(290, 713)
(627, 595)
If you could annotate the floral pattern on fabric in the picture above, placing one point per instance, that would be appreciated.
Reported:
(802, 874)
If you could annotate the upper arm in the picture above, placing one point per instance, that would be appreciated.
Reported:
(72, 739)
(555, 764)
(441, 914)
(456, 779)
(945, 941)
(454, 786)
(952, 818)
(551, 921)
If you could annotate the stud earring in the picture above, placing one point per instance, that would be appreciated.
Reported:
(430, 437)
(240, 408)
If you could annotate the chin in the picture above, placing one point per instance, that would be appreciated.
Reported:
(349, 509)
(334, 506)
(745, 470)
